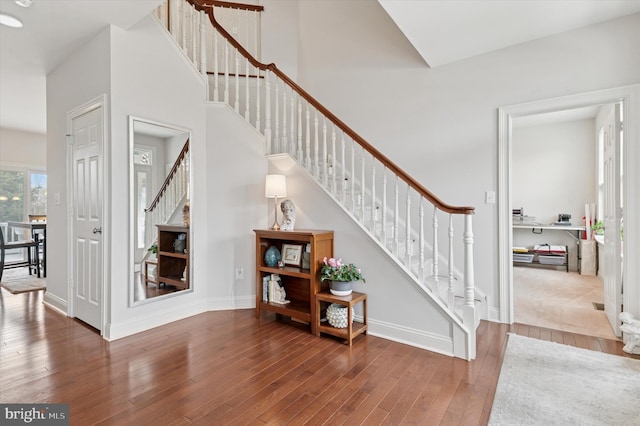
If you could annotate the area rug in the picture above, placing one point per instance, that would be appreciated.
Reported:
(546, 383)
(19, 281)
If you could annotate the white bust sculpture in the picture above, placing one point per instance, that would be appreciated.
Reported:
(631, 327)
(289, 215)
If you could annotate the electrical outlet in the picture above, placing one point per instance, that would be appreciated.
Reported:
(239, 273)
(490, 197)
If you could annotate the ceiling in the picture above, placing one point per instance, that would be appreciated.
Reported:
(443, 31)
(52, 30)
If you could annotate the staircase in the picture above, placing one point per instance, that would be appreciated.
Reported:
(411, 225)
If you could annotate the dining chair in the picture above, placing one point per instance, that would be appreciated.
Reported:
(33, 259)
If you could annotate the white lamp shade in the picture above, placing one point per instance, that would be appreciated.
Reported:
(275, 186)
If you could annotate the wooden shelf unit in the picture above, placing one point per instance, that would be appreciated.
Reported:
(172, 265)
(301, 285)
(354, 328)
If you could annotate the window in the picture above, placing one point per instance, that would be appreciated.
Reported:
(22, 192)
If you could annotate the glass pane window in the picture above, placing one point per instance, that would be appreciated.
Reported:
(12, 195)
(38, 203)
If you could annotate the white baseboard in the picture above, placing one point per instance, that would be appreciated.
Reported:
(412, 337)
(147, 322)
(56, 303)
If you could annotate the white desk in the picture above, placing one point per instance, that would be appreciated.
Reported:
(568, 228)
(574, 230)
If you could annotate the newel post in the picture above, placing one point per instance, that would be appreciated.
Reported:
(469, 311)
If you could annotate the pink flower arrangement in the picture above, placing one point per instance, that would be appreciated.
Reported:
(335, 270)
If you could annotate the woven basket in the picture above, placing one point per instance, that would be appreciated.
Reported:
(337, 315)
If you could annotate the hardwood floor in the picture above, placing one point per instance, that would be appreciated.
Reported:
(226, 367)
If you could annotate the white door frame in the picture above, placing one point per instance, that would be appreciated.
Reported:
(98, 102)
(630, 98)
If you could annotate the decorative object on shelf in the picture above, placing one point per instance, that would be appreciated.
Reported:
(337, 315)
(288, 215)
(275, 186)
(153, 249)
(180, 244)
(277, 293)
(291, 254)
(272, 256)
(341, 288)
(306, 257)
(630, 327)
(186, 214)
(341, 275)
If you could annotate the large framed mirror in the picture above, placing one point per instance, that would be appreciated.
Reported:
(160, 190)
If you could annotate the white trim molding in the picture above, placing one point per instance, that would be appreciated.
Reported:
(630, 98)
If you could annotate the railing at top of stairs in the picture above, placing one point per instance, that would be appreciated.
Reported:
(171, 194)
(381, 197)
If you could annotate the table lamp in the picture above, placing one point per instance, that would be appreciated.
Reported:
(275, 186)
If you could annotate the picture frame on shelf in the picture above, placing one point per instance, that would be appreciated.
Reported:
(292, 254)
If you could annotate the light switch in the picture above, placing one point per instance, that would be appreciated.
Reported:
(56, 198)
(490, 197)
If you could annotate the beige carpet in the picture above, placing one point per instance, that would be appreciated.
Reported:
(19, 281)
(545, 383)
(559, 300)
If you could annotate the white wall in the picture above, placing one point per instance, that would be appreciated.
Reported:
(146, 67)
(441, 124)
(81, 78)
(25, 150)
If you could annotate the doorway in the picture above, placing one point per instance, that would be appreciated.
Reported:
(629, 98)
(86, 133)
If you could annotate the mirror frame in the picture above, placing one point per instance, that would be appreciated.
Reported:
(132, 214)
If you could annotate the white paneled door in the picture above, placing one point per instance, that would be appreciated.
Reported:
(86, 146)
(612, 262)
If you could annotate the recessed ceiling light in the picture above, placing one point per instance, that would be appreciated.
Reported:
(23, 3)
(10, 21)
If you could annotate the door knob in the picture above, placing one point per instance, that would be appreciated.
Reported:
(97, 230)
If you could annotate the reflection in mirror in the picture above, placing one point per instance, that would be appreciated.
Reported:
(160, 188)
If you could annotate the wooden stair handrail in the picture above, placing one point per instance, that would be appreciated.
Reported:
(169, 177)
(204, 5)
(232, 5)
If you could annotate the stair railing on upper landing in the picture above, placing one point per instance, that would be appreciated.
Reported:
(171, 194)
(378, 194)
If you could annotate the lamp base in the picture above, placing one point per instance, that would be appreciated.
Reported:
(275, 226)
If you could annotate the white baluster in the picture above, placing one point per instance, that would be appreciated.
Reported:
(258, 100)
(216, 68)
(185, 19)
(344, 169)
(422, 242)
(278, 149)
(332, 160)
(372, 227)
(285, 141)
(173, 22)
(300, 154)
(408, 227)
(325, 154)
(203, 46)
(316, 146)
(236, 107)
(307, 120)
(194, 37)
(293, 148)
(451, 268)
(226, 72)
(247, 102)
(436, 253)
(469, 314)
(361, 199)
(396, 218)
(384, 206)
(267, 109)
(353, 177)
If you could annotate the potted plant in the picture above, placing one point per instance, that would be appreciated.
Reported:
(341, 275)
(598, 227)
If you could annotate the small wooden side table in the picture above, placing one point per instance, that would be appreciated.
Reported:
(148, 280)
(354, 328)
